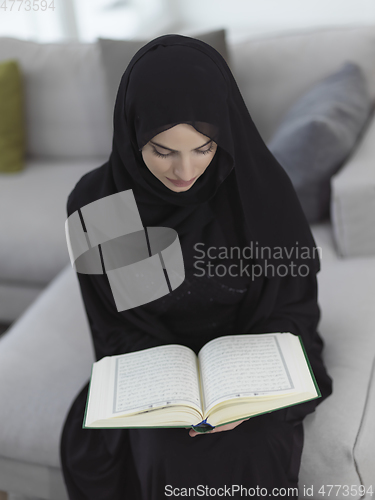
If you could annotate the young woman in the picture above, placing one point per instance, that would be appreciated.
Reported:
(184, 142)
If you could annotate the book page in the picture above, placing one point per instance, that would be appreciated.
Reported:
(160, 376)
(243, 365)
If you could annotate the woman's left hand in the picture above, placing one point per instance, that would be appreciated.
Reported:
(227, 427)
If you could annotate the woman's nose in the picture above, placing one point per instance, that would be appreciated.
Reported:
(184, 168)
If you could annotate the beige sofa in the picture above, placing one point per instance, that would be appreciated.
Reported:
(46, 356)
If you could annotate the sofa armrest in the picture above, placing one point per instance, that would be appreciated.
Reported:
(353, 199)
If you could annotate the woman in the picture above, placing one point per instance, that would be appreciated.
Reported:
(184, 142)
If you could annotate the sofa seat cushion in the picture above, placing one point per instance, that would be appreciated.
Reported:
(45, 359)
(338, 435)
(33, 209)
(332, 453)
(325, 242)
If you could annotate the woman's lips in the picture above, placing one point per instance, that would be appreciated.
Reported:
(182, 183)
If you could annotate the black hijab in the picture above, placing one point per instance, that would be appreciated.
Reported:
(176, 79)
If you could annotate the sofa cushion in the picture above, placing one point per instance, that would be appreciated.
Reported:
(325, 242)
(33, 209)
(319, 132)
(273, 71)
(65, 101)
(353, 200)
(116, 55)
(339, 434)
(52, 346)
(364, 452)
(12, 128)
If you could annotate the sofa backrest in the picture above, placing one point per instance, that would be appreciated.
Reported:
(65, 99)
(273, 71)
(65, 86)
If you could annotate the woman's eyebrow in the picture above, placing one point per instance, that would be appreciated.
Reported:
(169, 149)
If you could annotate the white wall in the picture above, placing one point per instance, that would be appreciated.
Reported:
(244, 17)
(87, 19)
(44, 24)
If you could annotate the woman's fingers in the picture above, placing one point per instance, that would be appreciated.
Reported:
(227, 427)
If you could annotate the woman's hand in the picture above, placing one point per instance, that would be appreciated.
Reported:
(227, 427)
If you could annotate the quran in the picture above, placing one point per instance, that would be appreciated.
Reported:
(233, 377)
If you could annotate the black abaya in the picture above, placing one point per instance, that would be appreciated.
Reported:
(143, 463)
(243, 197)
(263, 452)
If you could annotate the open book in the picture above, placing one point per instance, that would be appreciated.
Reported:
(232, 378)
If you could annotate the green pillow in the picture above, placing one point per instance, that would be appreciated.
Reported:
(12, 126)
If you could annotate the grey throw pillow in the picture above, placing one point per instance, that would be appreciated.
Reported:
(318, 134)
(117, 54)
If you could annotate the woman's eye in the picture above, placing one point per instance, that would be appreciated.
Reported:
(207, 150)
(159, 154)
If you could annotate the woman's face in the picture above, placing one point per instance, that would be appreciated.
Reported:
(178, 156)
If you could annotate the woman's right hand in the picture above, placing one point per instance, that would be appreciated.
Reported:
(228, 427)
